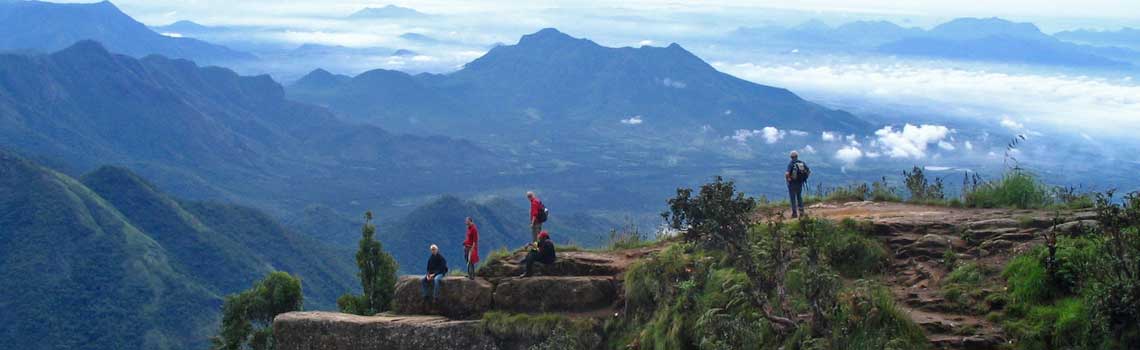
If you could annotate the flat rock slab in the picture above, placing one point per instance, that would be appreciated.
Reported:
(566, 264)
(552, 294)
(336, 331)
(459, 297)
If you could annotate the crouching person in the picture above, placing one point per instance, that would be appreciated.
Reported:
(436, 271)
(541, 251)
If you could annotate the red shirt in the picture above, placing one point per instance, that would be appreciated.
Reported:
(535, 207)
(472, 242)
(472, 236)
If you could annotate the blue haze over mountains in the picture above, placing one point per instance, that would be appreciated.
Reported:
(212, 158)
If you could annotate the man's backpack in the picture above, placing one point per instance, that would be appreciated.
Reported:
(800, 171)
(543, 213)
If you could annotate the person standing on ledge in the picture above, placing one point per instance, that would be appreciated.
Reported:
(471, 247)
(797, 174)
(436, 271)
(538, 215)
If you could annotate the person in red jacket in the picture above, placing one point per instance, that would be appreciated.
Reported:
(537, 216)
(471, 247)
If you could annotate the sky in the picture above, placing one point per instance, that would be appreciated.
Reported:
(1109, 12)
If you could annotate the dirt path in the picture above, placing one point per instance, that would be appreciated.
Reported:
(918, 238)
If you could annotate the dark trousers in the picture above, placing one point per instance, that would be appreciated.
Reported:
(795, 194)
(529, 261)
(467, 258)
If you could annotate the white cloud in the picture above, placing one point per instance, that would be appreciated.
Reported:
(676, 84)
(798, 132)
(634, 120)
(849, 155)
(911, 141)
(828, 136)
(808, 150)
(969, 146)
(1011, 124)
(970, 91)
(743, 135)
(172, 34)
(946, 145)
(773, 135)
(645, 43)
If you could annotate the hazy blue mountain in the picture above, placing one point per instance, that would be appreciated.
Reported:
(982, 28)
(998, 40)
(502, 224)
(209, 133)
(48, 27)
(815, 33)
(550, 82)
(387, 12)
(1003, 49)
(113, 263)
(417, 37)
(1125, 37)
(185, 27)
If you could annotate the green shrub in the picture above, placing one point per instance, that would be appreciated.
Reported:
(881, 191)
(1016, 189)
(247, 317)
(867, 318)
(922, 189)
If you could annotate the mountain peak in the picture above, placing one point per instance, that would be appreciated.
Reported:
(975, 28)
(548, 36)
(388, 11)
(85, 48)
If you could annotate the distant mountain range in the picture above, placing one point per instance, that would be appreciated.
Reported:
(108, 261)
(48, 27)
(209, 133)
(1125, 37)
(553, 84)
(977, 39)
(387, 12)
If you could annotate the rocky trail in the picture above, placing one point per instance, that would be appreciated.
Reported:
(918, 238)
(589, 284)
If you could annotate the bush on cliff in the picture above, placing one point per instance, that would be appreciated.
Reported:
(735, 284)
(377, 275)
(247, 317)
(1084, 291)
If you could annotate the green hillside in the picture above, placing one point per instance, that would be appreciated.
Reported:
(113, 263)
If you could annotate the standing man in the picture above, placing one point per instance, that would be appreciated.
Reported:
(798, 173)
(471, 247)
(436, 271)
(538, 215)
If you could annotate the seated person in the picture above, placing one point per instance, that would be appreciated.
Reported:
(436, 271)
(541, 251)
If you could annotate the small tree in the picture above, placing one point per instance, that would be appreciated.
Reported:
(922, 189)
(377, 275)
(719, 217)
(247, 317)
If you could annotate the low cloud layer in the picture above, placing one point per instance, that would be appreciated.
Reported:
(978, 92)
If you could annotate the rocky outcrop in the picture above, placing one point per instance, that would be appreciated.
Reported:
(459, 297)
(336, 331)
(551, 294)
(567, 264)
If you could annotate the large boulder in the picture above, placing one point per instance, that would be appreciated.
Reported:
(336, 331)
(566, 264)
(459, 297)
(551, 294)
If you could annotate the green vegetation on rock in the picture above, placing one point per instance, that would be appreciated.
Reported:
(247, 317)
(736, 284)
